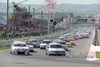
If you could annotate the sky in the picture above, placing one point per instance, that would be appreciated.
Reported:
(57, 1)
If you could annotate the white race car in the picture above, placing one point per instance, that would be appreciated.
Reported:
(55, 49)
(30, 46)
(45, 43)
(19, 47)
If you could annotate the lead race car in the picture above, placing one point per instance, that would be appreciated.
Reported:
(18, 47)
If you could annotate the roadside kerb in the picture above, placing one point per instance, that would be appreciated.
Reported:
(92, 52)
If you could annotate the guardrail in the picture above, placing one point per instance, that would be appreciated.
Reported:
(95, 40)
(8, 42)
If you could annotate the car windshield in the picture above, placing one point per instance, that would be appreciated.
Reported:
(75, 35)
(55, 46)
(46, 42)
(29, 43)
(34, 41)
(72, 40)
(61, 42)
(20, 45)
(67, 40)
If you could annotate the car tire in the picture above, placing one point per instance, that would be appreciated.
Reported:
(66, 49)
(46, 53)
(32, 51)
(10, 52)
(40, 48)
(49, 54)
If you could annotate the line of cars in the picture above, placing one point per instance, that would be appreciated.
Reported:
(58, 47)
(65, 41)
(53, 48)
(70, 38)
(27, 46)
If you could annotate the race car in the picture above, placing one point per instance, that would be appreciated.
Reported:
(19, 47)
(63, 43)
(30, 46)
(72, 41)
(45, 43)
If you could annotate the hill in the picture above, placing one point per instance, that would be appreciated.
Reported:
(67, 7)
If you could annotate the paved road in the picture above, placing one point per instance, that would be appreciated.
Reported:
(76, 57)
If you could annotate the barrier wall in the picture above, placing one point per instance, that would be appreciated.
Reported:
(8, 42)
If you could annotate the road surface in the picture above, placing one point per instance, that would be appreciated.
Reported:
(75, 57)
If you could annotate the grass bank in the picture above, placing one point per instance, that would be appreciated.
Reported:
(3, 48)
(98, 55)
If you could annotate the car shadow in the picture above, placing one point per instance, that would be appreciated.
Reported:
(75, 45)
(71, 47)
(68, 50)
(24, 55)
(35, 52)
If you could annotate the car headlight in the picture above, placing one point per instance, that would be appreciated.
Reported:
(52, 51)
(15, 50)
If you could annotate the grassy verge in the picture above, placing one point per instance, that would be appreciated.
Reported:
(3, 48)
(98, 55)
(55, 38)
(18, 38)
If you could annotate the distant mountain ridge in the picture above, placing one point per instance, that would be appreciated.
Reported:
(67, 7)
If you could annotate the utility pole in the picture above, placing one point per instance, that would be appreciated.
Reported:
(41, 20)
(71, 22)
(7, 18)
(29, 22)
(48, 23)
(34, 15)
(41, 16)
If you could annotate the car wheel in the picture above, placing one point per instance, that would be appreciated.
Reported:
(49, 54)
(32, 50)
(66, 49)
(10, 52)
(46, 53)
(40, 48)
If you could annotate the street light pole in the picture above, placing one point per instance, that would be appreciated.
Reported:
(41, 20)
(7, 18)
(41, 16)
(71, 22)
(48, 23)
(34, 15)
(29, 23)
